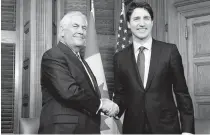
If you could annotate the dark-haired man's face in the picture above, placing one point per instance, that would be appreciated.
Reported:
(140, 24)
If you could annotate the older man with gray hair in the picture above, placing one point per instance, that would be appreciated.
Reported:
(71, 98)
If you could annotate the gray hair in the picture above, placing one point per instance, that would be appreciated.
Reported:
(67, 19)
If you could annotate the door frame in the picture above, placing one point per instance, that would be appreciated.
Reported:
(18, 65)
(186, 10)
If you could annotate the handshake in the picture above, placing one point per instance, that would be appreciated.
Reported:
(109, 108)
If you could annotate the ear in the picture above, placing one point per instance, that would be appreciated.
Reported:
(61, 31)
(129, 26)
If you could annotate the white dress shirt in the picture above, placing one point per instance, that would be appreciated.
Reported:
(147, 54)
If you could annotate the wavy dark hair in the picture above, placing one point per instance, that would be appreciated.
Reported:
(133, 5)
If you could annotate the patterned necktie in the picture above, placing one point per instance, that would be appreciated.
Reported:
(92, 77)
(141, 63)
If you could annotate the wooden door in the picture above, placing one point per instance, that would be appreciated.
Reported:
(198, 49)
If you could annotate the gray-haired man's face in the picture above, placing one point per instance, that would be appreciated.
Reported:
(75, 33)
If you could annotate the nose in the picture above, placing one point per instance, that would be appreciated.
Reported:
(80, 30)
(141, 22)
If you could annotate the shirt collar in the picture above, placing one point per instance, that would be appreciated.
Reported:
(77, 54)
(147, 44)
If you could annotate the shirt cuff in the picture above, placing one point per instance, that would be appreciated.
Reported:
(185, 133)
(99, 107)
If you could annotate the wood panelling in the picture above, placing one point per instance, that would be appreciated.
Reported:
(104, 26)
(201, 48)
(27, 24)
(26, 11)
(104, 12)
(204, 109)
(197, 45)
(104, 4)
(7, 87)
(160, 20)
(107, 48)
(8, 15)
(172, 23)
(26, 56)
(75, 5)
(183, 3)
(202, 79)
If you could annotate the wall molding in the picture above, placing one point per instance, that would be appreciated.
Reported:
(182, 3)
(190, 6)
(41, 40)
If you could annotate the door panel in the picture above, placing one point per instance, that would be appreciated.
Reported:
(199, 64)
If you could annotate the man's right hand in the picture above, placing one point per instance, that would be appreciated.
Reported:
(109, 107)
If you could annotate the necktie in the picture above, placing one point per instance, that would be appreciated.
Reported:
(90, 73)
(141, 63)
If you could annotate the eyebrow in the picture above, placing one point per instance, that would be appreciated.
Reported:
(83, 26)
(137, 17)
(75, 24)
(147, 16)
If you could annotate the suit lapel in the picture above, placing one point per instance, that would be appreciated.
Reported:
(155, 56)
(65, 49)
(133, 66)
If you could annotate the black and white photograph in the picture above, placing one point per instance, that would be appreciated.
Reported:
(105, 67)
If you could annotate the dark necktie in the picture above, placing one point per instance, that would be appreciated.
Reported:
(141, 63)
(95, 84)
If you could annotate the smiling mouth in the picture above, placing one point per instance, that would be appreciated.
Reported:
(142, 30)
(79, 37)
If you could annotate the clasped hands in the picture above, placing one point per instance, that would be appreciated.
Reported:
(109, 108)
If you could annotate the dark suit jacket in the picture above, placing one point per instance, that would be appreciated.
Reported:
(69, 99)
(156, 100)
